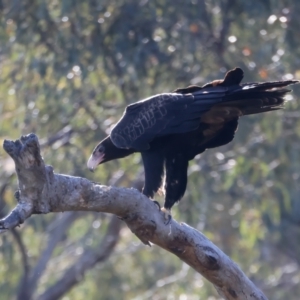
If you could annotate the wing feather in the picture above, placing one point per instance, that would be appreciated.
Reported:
(214, 105)
(161, 115)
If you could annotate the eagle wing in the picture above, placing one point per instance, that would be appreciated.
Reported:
(183, 111)
(162, 115)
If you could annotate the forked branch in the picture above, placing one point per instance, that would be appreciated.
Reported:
(43, 191)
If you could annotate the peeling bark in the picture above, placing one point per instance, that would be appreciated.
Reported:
(43, 191)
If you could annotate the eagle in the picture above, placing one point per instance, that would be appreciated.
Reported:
(170, 129)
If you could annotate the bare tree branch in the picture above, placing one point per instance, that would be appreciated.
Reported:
(23, 251)
(149, 294)
(64, 135)
(87, 261)
(29, 284)
(42, 191)
(90, 257)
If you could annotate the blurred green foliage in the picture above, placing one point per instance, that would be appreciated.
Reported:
(68, 69)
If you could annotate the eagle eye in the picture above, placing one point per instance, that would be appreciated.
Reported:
(101, 149)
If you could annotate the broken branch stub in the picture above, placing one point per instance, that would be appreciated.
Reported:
(31, 172)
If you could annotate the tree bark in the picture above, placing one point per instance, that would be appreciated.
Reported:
(43, 191)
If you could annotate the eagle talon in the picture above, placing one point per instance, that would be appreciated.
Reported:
(169, 219)
(167, 215)
(157, 203)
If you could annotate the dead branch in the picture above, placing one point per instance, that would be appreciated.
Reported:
(43, 191)
(87, 260)
(30, 281)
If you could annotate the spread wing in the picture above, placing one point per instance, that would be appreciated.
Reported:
(162, 115)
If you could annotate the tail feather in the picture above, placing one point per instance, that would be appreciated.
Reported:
(228, 98)
(247, 99)
(258, 86)
(261, 110)
(256, 98)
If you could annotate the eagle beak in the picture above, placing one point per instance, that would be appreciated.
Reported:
(94, 160)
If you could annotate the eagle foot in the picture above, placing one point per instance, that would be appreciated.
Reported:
(157, 203)
(167, 215)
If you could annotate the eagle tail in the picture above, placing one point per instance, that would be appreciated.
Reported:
(253, 98)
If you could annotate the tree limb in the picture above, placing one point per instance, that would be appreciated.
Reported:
(90, 256)
(29, 283)
(43, 191)
(23, 252)
(87, 260)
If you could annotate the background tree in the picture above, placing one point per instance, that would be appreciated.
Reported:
(69, 68)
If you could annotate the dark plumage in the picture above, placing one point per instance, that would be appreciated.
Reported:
(172, 128)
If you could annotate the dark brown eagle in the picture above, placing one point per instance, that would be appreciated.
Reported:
(170, 129)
